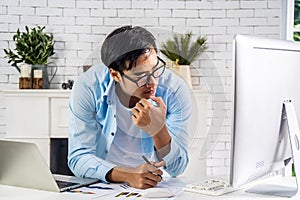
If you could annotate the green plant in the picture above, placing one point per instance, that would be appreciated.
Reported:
(297, 36)
(297, 13)
(293, 170)
(32, 47)
(182, 50)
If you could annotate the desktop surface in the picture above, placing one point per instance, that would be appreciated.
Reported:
(16, 193)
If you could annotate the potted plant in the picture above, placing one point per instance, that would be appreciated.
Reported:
(33, 47)
(182, 52)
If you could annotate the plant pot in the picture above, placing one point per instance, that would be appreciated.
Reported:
(184, 72)
(41, 81)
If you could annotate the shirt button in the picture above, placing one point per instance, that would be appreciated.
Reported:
(106, 151)
(112, 133)
(115, 115)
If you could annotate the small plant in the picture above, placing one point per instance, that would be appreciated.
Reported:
(181, 50)
(297, 36)
(32, 47)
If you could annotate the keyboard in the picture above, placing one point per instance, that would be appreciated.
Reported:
(64, 184)
(212, 187)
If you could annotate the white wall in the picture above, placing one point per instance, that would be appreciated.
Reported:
(79, 27)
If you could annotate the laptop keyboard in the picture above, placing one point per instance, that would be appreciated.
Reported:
(64, 184)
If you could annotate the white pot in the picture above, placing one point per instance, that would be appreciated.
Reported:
(184, 72)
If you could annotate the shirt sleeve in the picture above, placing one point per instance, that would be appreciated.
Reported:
(178, 115)
(84, 135)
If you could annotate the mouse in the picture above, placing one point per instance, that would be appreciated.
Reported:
(157, 193)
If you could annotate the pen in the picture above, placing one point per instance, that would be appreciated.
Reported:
(148, 162)
(99, 187)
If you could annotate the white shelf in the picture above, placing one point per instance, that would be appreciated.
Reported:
(36, 116)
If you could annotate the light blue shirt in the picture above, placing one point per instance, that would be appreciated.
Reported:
(93, 123)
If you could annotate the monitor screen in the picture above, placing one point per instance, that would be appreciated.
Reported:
(266, 73)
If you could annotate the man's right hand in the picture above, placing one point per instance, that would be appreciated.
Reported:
(144, 176)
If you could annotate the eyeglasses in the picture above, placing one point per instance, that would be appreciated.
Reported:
(141, 81)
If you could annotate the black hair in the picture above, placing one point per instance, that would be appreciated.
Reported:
(126, 43)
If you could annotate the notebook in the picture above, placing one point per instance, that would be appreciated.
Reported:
(22, 165)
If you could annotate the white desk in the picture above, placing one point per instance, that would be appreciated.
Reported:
(14, 193)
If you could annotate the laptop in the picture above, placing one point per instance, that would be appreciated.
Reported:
(22, 165)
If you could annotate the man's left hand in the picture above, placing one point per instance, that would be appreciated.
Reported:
(148, 117)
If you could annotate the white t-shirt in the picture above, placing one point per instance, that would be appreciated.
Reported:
(127, 148)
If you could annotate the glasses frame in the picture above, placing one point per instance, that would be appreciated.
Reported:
(149, 75)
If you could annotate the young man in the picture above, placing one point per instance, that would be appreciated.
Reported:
(128, 108)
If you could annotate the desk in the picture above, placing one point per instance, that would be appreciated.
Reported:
(14, 193)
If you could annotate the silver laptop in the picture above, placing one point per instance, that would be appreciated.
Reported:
(22, 165)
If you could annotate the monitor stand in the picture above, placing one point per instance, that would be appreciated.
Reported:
(288, 114)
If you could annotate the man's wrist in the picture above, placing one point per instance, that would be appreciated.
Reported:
(162, 152)
(118, 174)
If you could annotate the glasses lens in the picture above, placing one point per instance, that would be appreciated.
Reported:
(158, 72)
(142, 81)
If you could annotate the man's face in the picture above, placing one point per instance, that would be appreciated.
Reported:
(132, 80)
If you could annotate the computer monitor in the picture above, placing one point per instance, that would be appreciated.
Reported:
(266, 73)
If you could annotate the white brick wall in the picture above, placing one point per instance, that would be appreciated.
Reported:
(79, 27)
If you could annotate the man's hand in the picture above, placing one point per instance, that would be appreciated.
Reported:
(144, 176)
(149, 117)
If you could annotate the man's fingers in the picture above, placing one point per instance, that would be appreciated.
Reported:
(159, 164)
(150, 183)
(158, 172)
(158, 100)
(135, 111)
(144, 102)
(153, 169)
(154, 178)
(140, 107)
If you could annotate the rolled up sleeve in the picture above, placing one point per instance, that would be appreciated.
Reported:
(86, 141)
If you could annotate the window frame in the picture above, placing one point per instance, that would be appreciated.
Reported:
(287, 20)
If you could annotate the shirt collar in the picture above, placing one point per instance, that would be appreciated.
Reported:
(108, 94)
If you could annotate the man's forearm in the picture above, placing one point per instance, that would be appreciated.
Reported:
(162, 138)
(118, 174)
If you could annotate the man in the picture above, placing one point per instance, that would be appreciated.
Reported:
(129, 108)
